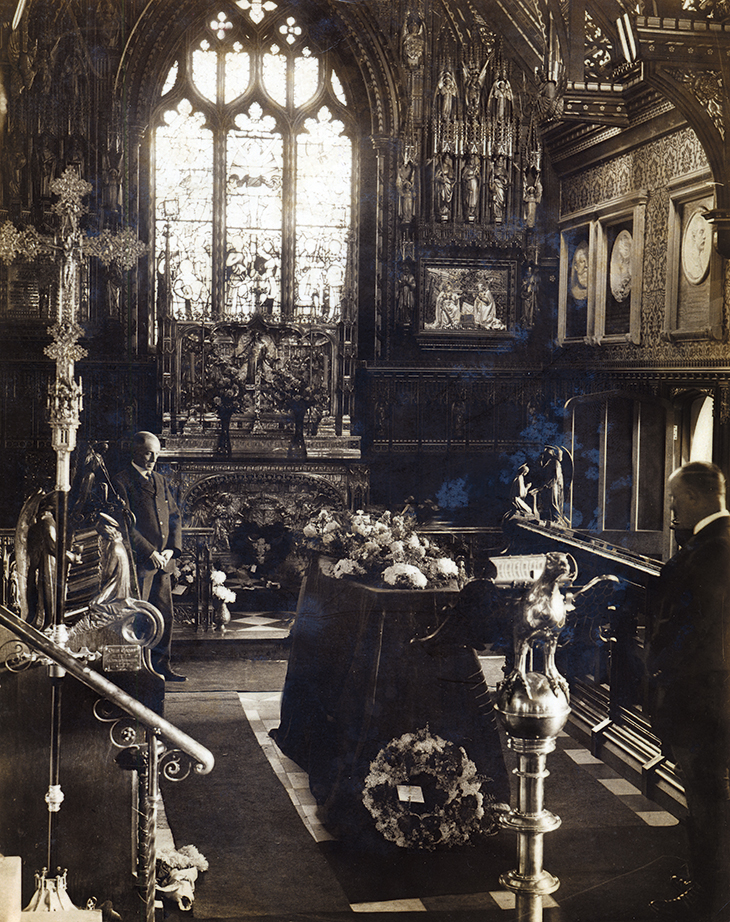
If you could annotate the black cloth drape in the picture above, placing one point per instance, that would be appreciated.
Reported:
(358, 678)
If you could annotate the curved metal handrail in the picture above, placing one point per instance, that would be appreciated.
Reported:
(202, 757)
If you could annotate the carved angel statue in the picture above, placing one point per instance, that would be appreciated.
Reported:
(414, 42)
(473, 84)
(556, 466)
(538, 490)
(22, 54)
(35, 559)
(115, 606)
(549, 99)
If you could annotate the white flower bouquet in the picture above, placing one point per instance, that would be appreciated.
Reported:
(383, 547)
(221, 592)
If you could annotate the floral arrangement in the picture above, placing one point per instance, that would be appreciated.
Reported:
(423, 792)
(386, 547)
(186, 857)
(183, 576)
(223, 593)
(176, 873)
(297, 384)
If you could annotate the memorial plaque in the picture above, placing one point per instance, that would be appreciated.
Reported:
(118, 658)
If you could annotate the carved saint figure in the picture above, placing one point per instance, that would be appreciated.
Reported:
(520, 492)
(471, 182)
(405, 183)
(406, 296)
(485, 309)
(446, 93)
(444, 180)
(500, 178)
(528, 293)
(114, 568)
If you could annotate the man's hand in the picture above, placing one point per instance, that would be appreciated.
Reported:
(161, 558)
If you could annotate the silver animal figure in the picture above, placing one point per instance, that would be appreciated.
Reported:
(542, 614)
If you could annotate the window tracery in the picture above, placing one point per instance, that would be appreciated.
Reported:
(253, 171)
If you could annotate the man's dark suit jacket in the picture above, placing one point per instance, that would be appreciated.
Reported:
(157, 525)
(688, 659)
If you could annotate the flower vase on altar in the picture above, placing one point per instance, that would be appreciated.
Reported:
(222, 617)
(223, 596)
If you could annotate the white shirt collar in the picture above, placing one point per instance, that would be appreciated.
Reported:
(710, 518)
(143, 471)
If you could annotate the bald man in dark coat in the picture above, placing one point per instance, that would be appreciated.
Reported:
(689, 683)
(156, 538)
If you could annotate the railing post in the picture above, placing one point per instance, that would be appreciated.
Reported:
(147, 826)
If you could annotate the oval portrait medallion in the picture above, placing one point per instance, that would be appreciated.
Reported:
(620, 268)
(696, 248)
(579, 272)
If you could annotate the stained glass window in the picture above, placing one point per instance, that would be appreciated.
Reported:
(253, 171)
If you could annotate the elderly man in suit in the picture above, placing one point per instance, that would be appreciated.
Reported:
(155, 535)
(689, 684)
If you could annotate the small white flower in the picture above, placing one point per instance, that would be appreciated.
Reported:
(405, 574)
(346, 567)
(217, 577)
(397, 550)
(370, 549)
(447, 567)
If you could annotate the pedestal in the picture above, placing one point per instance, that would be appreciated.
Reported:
(532, 716)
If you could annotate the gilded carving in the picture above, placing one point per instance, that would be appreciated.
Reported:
(707, 87)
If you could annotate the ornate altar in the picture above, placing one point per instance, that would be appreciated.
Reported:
(259, 388)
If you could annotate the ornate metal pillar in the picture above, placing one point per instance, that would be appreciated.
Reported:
(532, 716)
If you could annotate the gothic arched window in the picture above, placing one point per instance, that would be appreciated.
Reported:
(253, 170)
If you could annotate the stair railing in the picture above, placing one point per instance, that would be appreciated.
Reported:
(146, 760)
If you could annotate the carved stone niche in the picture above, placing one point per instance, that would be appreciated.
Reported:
(249, 514)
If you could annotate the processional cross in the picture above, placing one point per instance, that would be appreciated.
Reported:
(65, 401)
(65, 397)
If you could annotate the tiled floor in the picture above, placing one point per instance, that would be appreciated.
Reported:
(245, 626)
(262, 711)
(626, 792)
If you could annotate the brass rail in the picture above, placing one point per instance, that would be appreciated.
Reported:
(163, 729)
